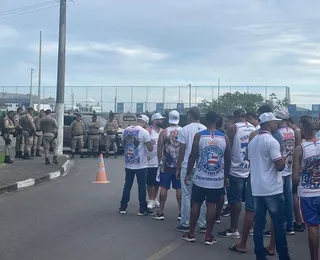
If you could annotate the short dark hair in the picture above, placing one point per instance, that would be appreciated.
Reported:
(239, 113)
(194, 112)
(212, 117)
(19, 109)
(219, 122)
(265, 109)
(42, 110)
(252, 115)
(309, 124)
(48, 112)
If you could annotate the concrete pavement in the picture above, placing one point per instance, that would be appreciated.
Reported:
(73, 219)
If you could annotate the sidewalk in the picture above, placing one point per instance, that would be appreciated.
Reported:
(25, 173)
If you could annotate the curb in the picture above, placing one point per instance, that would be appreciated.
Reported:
(32, 182)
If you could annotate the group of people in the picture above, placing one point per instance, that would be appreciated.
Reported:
(31, 132)
(262, 159)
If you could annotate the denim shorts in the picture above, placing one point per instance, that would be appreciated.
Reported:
(200, 194)
(167, 178)
(310, 209)
(249, 205)
(236, 191)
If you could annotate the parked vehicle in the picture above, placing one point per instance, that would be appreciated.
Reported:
(67, 137)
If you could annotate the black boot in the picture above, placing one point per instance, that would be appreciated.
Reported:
(18, 154)
(55, 160)
(32, 153)
(47, 161)
(38, 153)
(7, 159)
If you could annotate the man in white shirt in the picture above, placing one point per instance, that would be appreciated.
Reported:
(152, 183)
(267, 186)
(185, 138)
(137, 143)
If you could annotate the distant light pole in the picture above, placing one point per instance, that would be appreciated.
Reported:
(39, 76)
(31, 83)
(189, 85)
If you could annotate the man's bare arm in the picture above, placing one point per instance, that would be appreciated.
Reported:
(231, 132)
(160, 146)
(297, 137)
(297, 155)
(227, 159)
(194, 154)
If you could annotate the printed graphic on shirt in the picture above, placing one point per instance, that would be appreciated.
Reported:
(210, 160)
(288, 142)
(131, 142)
(171, 148)
(311, 176)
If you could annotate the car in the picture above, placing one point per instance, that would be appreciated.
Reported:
(67, 137)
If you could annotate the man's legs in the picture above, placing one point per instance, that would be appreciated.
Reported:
(275, 206)
(259, 223)
(165, 183)
(142, 182)
(288, 203)
(247, 222)
(90, 145)
(310, 208)
(95, 146)
(152, 186)
(108, 143)
(126, 189)
(38, 144)
(114, 146)
(34, 145)
(235, 195)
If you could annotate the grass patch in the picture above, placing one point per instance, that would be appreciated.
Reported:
(1, 157)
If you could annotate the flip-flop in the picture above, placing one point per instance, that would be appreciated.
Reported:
(234, 248)
(268, 252)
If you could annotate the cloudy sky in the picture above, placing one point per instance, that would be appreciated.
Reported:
(156, 43)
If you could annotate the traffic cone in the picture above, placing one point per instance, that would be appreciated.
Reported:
(101, 174)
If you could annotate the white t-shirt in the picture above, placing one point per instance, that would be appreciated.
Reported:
(135, 151)
(152, 156)
(263, 150)
(186, 136)
(318, 135)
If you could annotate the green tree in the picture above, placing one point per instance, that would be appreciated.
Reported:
(228, 102)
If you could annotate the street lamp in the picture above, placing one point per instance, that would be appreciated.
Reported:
(31, 77)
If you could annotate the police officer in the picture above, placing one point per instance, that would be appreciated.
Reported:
(7, 134)
(94, 135)
(77, 131)
(111, 129)
(19, 136)
(28, 130)
(37, 137)
(49, 128)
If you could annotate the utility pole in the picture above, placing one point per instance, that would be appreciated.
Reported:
(218, 87)
(189, 95)
(61, 72)
(31, 83)
(115, 100)
(39, 76)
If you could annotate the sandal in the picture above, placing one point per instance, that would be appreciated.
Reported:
(234, 248)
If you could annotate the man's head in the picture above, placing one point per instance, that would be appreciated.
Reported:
(30, 110)
(42, 113)
(194, 114)
(219, 122)
(239, 115)
(252, 118)
(143, 121)
(283, 114)
(174, 117)
(308, 127)
(229, 121)
(94, 118)
(10, 114)
(19, 110)
(264, 109)
(269, 122)
(157, 120)
(111, 116)
(212, 118)
(78, 117)
(48, 112)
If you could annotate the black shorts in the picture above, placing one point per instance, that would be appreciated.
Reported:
(200, 194)
(152, 177)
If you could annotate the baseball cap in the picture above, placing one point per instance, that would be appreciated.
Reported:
(268, 117)
(239, 112)
(174, 117)
(144, 118)
(156, 116)
(282, 114)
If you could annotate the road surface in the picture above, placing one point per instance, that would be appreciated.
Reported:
(72, 219)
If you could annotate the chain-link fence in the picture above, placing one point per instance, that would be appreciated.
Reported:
(135, 98)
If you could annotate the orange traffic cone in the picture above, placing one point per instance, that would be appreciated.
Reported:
(101, 174)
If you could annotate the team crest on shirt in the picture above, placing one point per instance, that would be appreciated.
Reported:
(210, 160)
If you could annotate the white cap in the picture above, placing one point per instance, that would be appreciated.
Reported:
(143, 118)
(174, 117)
(156, 116)
(282, 114)
(268, 117)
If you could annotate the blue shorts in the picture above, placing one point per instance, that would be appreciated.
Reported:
(236, 191)
(310, 209)
(167, 178)
(249, 205)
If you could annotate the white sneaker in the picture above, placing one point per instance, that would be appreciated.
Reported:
(156, 203)
(151, 204)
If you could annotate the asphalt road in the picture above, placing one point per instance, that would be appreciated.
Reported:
(73, 219)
